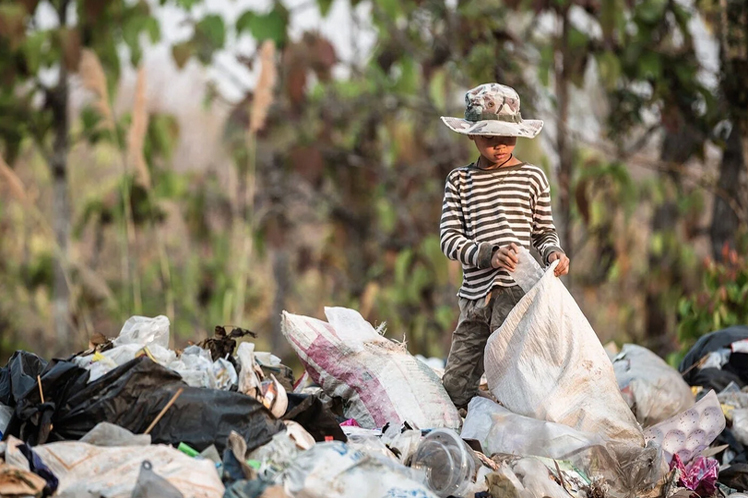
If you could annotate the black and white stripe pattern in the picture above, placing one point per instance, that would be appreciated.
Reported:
(487, 209)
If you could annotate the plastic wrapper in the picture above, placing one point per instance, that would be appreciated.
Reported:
(653, 389)
(333, 470)
(144, 331)
(195, 367)
(700, 475)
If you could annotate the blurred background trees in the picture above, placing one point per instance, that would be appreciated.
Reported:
(263, 161)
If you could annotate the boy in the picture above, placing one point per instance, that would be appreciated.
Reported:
(490, 208)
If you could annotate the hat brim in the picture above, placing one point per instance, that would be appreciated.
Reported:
(528, 128)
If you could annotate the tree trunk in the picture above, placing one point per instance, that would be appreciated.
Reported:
(61, 206)
(664, 268)
(565, 153)
(733, 37)
(725, 221)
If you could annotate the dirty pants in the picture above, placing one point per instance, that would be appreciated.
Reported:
(478, 319)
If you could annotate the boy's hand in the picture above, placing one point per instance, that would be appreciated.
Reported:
(563, 265)
(506, 257)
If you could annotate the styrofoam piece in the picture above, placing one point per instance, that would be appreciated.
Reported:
(690, 432)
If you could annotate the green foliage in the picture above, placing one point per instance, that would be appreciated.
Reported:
(270, 26)
(721, 302)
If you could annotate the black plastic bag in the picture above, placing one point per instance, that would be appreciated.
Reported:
(312, 415)
(737, 365)
(19, 376)
(131, 396)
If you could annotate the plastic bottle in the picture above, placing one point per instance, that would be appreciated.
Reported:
(448, 462)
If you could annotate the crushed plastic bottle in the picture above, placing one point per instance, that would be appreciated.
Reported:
(448, 462)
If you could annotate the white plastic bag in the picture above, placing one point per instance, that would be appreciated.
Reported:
(500, 431)
(653, 389)
(546, 362)
(333, 470)
(378, 379)
(144, 331)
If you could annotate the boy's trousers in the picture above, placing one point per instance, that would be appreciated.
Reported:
(478, 319)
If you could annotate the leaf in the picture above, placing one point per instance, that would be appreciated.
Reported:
(271, 26)
(187, 4)
(390, 7)
(212, 30)
(29, 5)
(609, 67)
(181, 52)
(649, 66)
(33, 47)
(324, 6)
(402, 265)
(609, 13)
(12, 23)
(651, 11)
(386, 216)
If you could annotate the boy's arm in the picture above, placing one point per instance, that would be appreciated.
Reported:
(544, 236)
(454, 243)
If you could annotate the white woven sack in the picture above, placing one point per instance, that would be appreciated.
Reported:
(378, 379)
(546, 362)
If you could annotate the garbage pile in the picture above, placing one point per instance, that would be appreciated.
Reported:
(130, 417)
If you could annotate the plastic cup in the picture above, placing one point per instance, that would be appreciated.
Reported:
(447, 461)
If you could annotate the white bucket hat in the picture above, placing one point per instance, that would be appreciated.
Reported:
(493, 109)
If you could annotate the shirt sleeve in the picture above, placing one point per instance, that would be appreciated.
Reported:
(544, 236)
(454, 244)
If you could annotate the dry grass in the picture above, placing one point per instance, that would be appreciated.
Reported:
(263, 96)
(94, 80)
(14, 183)
(137, 132)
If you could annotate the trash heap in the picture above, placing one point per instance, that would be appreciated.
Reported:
(558, 416)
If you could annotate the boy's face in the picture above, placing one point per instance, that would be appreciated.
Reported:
(494, 149)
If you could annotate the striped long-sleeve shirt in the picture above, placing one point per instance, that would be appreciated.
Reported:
(487, 209)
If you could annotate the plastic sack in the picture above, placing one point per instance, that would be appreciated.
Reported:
(378, 379)
(690, 432)
(653, 389)
(333, 470)
(546, 362)
(93, 471)
(131, 396)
